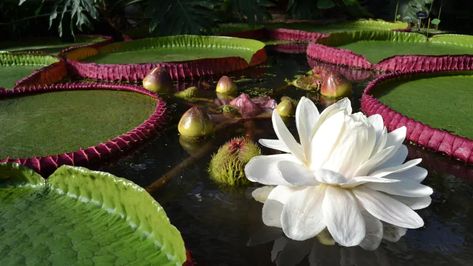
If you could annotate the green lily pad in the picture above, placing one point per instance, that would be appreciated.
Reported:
(15, 67)
(82, 217)
(376, 46)
(440, 101)
(342, 26)
(65, 121)
(49, 45)
(176, 48)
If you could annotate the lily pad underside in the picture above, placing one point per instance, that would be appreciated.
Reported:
(82, 217)
(13, 67)
(184, 56)
(75, 124)
(390, 50)
(51, 45)
(436, 109)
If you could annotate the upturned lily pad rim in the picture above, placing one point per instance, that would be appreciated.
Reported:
(8, 59)
(101, 151)
(178, 70)
(86, 39)
(424, 135)
(325, 50)
(351, 25)
(134, 206)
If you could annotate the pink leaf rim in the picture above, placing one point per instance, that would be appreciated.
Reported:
(103, 151)
(340, 56)
(192, 69)
(438, 140)
(350, 73)
(46, 75)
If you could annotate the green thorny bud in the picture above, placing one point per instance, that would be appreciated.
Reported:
(227, 166)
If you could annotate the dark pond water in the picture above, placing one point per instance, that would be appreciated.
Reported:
(222, 226)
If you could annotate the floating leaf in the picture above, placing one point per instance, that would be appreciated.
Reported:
(82, 217)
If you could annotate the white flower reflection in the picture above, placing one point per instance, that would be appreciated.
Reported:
(346, 175)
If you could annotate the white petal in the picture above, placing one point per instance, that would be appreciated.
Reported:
(342, 105)
(393, 233)
(326, 139)
(343, 217)
(416, 173)
(377, 121)
(360, 180)
(396, 137)
(406, 188)
(285, 136)
(374, 232)
(264, 169)
(296, 174)
(261, 194)
(396, 169)
(414, 203)
(302, 216)
(329, 177)
(273, 206)
(387, 209)
(274, 144)
(376, 159)
(307, 116)
(396, 159)
(353, 148)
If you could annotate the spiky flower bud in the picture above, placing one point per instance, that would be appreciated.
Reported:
(227, 166)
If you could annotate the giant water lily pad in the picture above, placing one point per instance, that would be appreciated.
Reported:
(82, 217)
(98, 118)
(175, 48)
(15, 67)
(342, 26)
(391, 50)
(441, 101)
(184, 56)
(48, 44)
(435, 108)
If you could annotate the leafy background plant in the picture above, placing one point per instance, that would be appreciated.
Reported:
(168, 17)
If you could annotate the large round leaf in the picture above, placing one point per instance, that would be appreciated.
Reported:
(394, 51)
(50, 45)
(15, 67)
(376, 46)
(75, 123)
(441, 101)
(174, 49)
(82, 217)
(435, 108)
(357, 25)
(184, 57)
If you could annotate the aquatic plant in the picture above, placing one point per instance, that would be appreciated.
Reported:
(250, 107)
(227, 165)
(287, 107)
(333, 85)
(346, 174)
(226, 86)
(195, 123)
(158, 80)
(188, 93)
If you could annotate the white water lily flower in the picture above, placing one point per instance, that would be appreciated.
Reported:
(346, 175)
